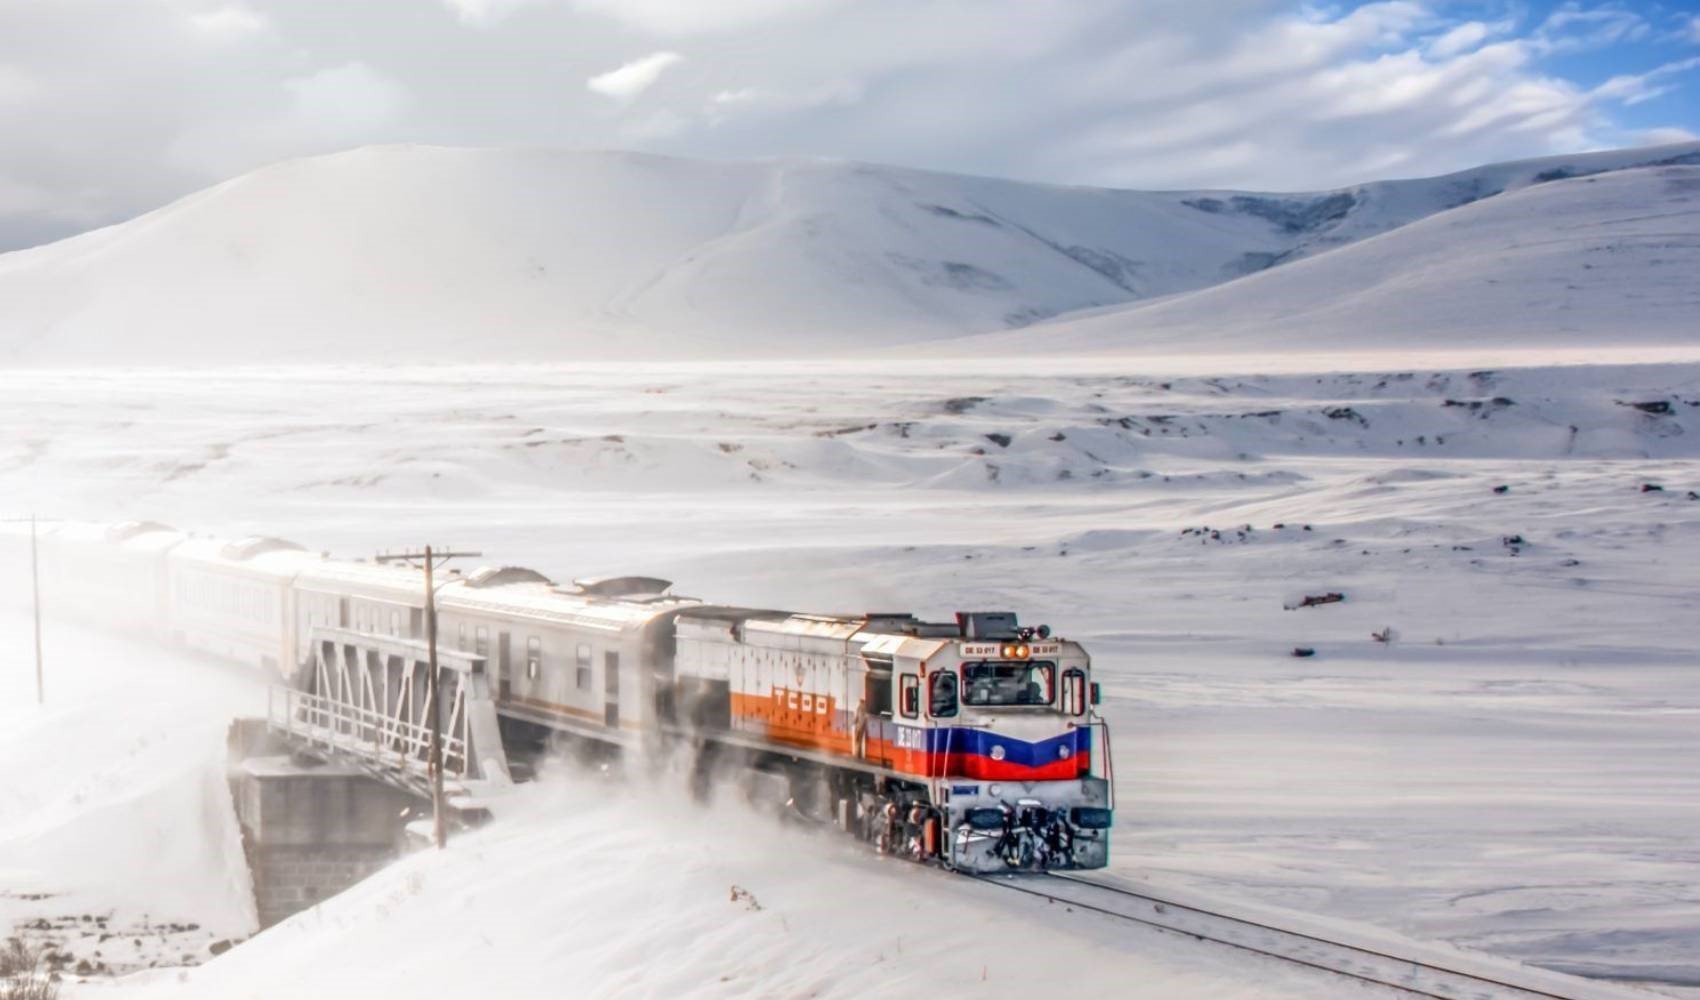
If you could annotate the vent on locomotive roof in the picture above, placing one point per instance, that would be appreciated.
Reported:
(497, 576)
(988, 624)
(248, 548)
(904, 623)
(126, 530)
(622, 586)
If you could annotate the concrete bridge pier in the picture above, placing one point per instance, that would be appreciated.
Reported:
(312, 828)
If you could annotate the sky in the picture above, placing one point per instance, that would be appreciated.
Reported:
(110, 108)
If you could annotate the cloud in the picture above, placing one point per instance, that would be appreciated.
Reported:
(757, 101)
(1640, 87)
(1665, 136)
(482, 13)
(229, 23)
(1574, 28)
(112, 109)
(344, 100)
(632, 79)
(1694, 29)
(686, 17)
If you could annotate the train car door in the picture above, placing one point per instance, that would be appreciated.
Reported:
(611, 689)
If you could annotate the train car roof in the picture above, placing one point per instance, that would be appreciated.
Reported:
(256, 556)
(389, 580)
(547, 603)
(148, 537)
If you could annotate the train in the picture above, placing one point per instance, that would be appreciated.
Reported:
(974, 743)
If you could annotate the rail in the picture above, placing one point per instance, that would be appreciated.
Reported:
(382, 739)
(1436, 976)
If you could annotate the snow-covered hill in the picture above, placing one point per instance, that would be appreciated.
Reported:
(420, 253)
(1585, 262)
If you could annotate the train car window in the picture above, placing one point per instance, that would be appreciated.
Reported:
(533, 657)
(910, 700)
(1008, 682)
(1074, 692)
(461, 640)
(481, 640)
(395, 623)
(941, 694)
(583, 663)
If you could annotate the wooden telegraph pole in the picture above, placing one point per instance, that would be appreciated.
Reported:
(35, 598)
(434, 767)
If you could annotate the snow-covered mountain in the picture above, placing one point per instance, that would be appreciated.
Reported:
(1585, 262)
(422, 253)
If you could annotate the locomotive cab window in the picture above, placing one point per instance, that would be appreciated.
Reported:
(1008, 682)
(481, 640)
(941, 694)
(910, 699)
(533, 657)
(1074, 692)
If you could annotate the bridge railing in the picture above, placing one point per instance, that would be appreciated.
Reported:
(382, 739)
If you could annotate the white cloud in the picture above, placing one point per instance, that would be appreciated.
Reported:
(229, 23)
(1574, 28)
(1638, 87)
(16, 86)
(632, 79)
(1463, 38)
(345, 98)
(755, 100)
(1664, 136)
(153, 100)
(685, 17)
(483, 13)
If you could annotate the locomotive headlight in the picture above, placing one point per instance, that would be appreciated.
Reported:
(997, 751)
(1021, 652)
(1063, 752)
(994, 790)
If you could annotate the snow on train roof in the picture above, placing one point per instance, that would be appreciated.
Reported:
(266, 556)
(551, 603)
(147, 537)
(390, 579)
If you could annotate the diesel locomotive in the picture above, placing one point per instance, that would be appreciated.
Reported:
(974, 743)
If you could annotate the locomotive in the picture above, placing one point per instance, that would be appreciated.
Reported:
(970, 743)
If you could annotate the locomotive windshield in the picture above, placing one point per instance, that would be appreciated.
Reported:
(1008, 682)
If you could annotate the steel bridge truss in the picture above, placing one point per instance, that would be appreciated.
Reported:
(370, 705)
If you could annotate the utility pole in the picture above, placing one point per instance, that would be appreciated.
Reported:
(434, 765)
(35, 598)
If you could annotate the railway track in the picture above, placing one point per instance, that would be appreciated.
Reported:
(1388, 964)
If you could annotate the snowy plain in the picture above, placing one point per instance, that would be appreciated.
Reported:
(1517, 770)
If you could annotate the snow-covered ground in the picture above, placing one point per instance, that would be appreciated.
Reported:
(1573, 263)
(1517, 770)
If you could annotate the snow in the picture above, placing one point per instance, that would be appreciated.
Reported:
(1593, 262)
(407, 253)
(1446, 401)
(1515, 772)
(116, 827)
(603, 889)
